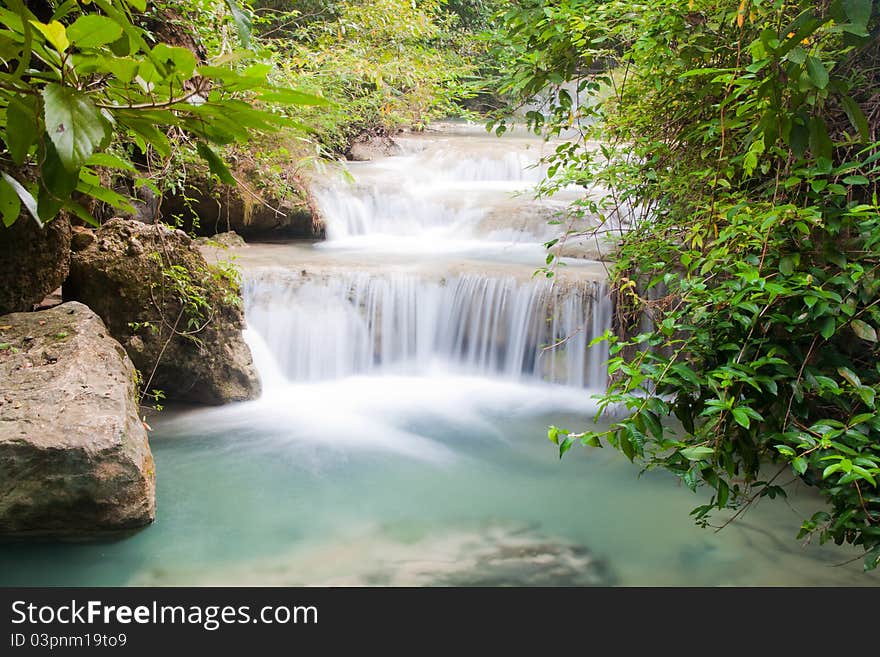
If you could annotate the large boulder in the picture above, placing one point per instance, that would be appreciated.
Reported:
(179, 319)
(74, 457)
(33, 261)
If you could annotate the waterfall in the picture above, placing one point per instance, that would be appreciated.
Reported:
(361, 323)
(428, 269)
(443, 190)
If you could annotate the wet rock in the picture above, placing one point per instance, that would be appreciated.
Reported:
(501, 557)
(368, 147)
(33, 261)
(74, 456)
(81, 238)
(227, 240)
(492, 556)
(208, 209)
(135, 277)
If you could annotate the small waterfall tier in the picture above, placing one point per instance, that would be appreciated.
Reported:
(320, 328)
(445, 189)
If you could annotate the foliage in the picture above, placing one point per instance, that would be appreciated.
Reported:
(740, 154)
(87, 89)
(387, 64)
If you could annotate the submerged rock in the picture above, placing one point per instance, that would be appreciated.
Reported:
(179, 319)
(74, 457)
(227, 240)
(33, 261)
(491, 556)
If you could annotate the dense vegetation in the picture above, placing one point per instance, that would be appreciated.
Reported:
(94, 92)
(387, 63)
(88, 88)
(739, 151)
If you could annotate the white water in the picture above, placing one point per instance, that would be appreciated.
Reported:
(407, 392)
(366, 323)
(444, 198)
(446, 191)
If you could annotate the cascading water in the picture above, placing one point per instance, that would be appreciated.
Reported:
(363, 323)
(444, 192)
(410, 367)
(483, 322)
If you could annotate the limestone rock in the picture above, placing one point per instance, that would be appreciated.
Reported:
(134, 276)
(370, 147)
(208, 209)
(33, 261)
(74, 457)
(227, 240)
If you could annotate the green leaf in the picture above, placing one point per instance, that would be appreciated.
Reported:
(110, 161)
(54, 33)
(786, 265)
(93, 30)
(856, 117)
(741, 417)
(817, 72)
(79, 211)
(242, 23)
(21, 128)
(697, 453)
(850, 376)
(863, 330)
(26, 198)
(74, 124)
(148, 134)
(799, 464)
(797, 55)
(215, 164)
(830, 470)
(858, 11)
(861, 417)
(828, 327)
(565, 445)
(799, 139)
(56, 184)
(10, 204)
(872, 558)
(687, 374)
(820, 142)
(291, 97)
(175, 59)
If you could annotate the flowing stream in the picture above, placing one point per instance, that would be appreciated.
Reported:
(411, 364)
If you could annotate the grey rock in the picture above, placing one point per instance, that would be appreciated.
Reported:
(227, 240)
(368, 147)
(126, 277)
(33, 261)
(74, 456)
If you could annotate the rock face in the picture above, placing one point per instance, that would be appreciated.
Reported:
(228, 240)
(179, 319)
(33, 261)
(74, 457)
(368, 147)
(207, 211)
